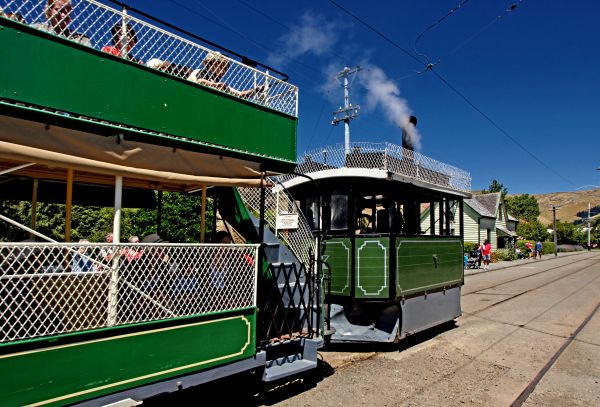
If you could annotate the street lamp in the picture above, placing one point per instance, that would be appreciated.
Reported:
(554, 220)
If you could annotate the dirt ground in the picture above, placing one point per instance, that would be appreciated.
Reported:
(514, 322)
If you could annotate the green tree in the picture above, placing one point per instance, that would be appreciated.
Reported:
(595, 234)
(496, 186)
(567, 233)
(180, 220)
(533, 230)
(524, 207)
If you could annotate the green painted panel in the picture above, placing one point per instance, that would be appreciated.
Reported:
(44, 70)
(82, 370)
(372, 267)
(337, 254)
(427, 263)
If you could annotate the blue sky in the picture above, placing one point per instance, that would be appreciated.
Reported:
(534, 72)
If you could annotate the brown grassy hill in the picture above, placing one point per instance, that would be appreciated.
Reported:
(570, 203)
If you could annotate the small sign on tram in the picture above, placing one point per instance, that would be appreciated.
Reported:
(286, 221)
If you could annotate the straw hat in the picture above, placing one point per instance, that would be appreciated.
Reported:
(214, 56)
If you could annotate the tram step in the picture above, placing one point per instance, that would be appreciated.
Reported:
(293, 364)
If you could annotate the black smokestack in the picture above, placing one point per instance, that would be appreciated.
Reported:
(408, 134)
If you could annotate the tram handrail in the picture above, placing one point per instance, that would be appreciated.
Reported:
(387, 157)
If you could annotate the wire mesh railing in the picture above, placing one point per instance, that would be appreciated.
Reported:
(300, 240)
(122, 34)
(289, 310)
(384, 156)
(48, 288)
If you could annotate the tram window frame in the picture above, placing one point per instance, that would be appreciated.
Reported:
(442, 215)
(332, 212)
(379, 211)
(311, 205)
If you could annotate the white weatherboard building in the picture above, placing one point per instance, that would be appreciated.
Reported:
(485, 217)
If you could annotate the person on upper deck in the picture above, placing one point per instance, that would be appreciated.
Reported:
(215, 67)
(117, 42)
(58, 15)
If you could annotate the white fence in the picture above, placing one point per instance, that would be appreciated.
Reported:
(384, 156)
(49, 288)
(97, 25)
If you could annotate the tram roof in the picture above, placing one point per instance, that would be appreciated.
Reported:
(383, 161)
(97, 159)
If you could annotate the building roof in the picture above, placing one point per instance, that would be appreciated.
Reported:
(505, 231)
(510, 217)
(485, 204)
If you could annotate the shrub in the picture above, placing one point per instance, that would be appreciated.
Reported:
(506, 254)
(470, 246)
(493, 257)
(547, 248)
(521, 244)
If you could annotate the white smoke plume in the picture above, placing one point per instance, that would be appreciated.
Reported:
(382, 92)
(313, 34)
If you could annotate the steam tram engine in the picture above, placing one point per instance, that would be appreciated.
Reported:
(391, 229)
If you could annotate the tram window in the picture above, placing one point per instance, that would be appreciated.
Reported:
(339, 212)
(312, 213)
(438, 217)
(412, 224)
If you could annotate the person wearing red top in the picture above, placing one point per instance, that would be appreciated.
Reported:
(486, 251)
(117, 43)
(529, 247)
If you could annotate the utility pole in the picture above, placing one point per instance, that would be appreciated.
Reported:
(555, 240)
(589, 219)
(348, 112)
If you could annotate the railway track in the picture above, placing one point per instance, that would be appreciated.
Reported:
(525, 276)
(524, 395)
(513, 296)
(532, 384)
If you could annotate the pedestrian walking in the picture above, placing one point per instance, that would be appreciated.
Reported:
(486, 251)
(538, 249)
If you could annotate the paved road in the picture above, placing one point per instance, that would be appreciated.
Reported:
(528, 334)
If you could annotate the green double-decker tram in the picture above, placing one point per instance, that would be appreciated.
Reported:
(390, 224)
(84, 122)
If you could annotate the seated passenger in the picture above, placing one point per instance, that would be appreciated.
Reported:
(220, 264)
(159, 64)
(18, 17)
(117, 43)
(58, 15)
(81, 262)
(215, 68)
(132, 254)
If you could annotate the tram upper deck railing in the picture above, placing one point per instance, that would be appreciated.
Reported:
(388, 157)
(90, 23)
(48, 289)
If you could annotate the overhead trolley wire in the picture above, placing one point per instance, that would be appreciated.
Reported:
(512, 7)
(431, 26)
(429, 67)
(497, 126)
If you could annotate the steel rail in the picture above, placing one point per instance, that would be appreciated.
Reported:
(538, 377)
(527, 276)
(531, 289)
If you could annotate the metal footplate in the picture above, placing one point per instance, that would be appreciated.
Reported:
(288, 365)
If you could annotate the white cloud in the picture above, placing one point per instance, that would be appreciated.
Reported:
(313, 34)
